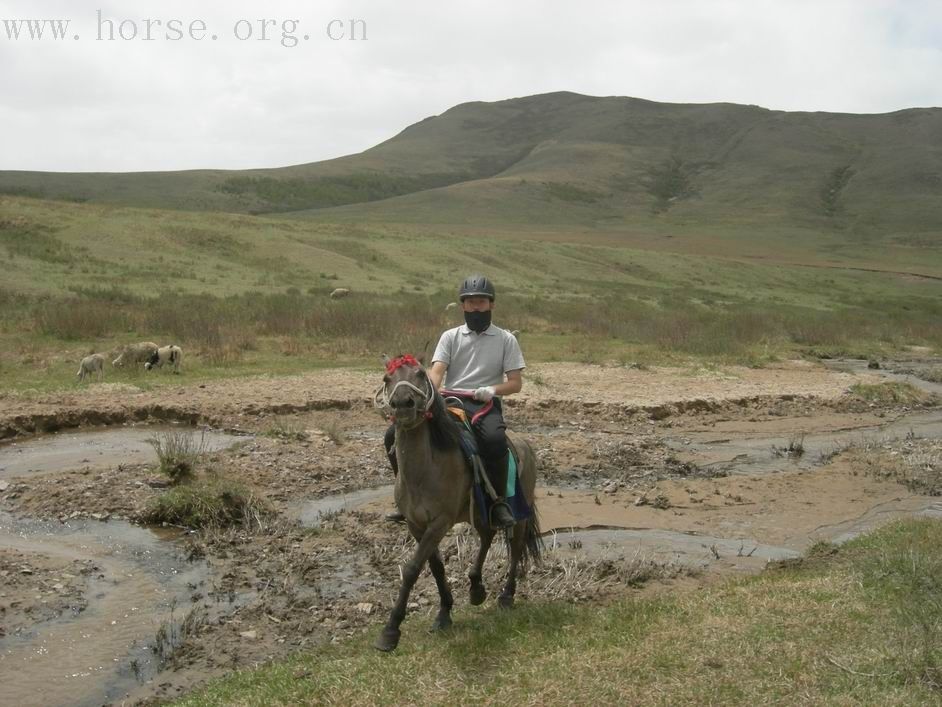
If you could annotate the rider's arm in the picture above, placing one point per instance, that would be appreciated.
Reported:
(436, 373)
(513, 384)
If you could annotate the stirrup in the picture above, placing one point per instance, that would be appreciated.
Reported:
(508, 521)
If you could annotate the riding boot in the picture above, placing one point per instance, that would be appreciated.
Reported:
(501, 515)
(394, 516)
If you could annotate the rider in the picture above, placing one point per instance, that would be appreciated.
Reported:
(476, 358)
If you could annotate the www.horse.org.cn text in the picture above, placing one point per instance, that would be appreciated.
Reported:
(287, 33)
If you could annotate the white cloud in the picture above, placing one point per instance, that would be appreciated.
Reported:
(134, 105)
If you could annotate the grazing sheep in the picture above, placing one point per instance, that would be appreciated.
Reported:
(172, 355)
(339, 292)
(450, 306)
(91, 364)
(134, 354)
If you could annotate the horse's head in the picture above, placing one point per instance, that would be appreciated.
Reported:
(407, 393)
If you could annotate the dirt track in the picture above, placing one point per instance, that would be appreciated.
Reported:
(629, 450)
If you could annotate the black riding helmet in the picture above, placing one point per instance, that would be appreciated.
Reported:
(476, 285)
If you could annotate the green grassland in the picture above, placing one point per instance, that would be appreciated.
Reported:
(585, 161)
(249, 294)
(857, 624)
(617, 230)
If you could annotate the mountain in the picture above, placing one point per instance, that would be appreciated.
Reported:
(596, 162)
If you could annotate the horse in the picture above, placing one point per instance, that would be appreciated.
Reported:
(434, 492)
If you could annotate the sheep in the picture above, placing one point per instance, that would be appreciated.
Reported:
(339, 292)
(91, 364)
(171, 354)
(135, 353)
(450, 306)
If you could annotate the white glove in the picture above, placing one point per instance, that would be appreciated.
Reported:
(484, 394)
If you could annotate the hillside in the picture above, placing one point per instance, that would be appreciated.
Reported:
(564, 159)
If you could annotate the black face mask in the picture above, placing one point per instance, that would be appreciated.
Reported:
(478, 321)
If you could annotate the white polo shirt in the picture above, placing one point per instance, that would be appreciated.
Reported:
(476, 360)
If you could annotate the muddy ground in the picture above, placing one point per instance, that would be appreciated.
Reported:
(642, 483)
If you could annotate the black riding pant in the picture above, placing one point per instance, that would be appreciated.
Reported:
(490, 431)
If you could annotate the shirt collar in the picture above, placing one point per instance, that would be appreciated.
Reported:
(490, 331)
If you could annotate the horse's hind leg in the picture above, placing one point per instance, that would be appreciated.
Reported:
(443, 620)
(428, 544)
(506, 598)
(478, 590)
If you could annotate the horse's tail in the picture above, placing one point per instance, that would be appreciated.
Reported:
(533, 542)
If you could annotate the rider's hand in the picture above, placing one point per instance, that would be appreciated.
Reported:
(484, 394)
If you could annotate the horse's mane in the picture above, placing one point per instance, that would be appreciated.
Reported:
(443, 428)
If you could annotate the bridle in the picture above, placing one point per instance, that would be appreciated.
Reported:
(381, 399)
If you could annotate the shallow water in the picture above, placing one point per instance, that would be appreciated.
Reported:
(753, 453)
(101, 653)
(97, 448)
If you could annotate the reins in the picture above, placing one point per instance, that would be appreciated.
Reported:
(486, 408)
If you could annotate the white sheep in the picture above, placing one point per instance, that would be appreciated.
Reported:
(171, 354)
(134, 354)
(339, 292)
(91, 364)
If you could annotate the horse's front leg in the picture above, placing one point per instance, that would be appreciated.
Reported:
(428, 544)
(443, 620)
(478, 590)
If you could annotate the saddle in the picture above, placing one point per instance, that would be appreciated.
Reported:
(485, 495)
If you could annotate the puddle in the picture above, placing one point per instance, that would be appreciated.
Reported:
(310, 513)
(688, 549)
(103, 652)
(752, 454)
(96, 448)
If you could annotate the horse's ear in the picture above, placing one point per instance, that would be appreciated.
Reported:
(423, 354)
(421, 358)
(386, 360)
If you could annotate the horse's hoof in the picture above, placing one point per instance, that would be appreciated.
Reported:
(505, 602)
(441, 623)
(388, 640)
(478, 594)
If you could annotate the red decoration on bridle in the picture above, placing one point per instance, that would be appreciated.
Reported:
(406, 360)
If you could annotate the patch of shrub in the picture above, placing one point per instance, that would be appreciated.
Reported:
(177, 453)
(209, 503)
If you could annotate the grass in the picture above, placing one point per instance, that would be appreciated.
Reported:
(287, 429)
(890, 392)
(209, 502)
(858, 624)
(794, 449)
(171, 634)
(213, 284)
(915, 463)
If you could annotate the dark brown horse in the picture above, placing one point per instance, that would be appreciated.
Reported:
(434, 491)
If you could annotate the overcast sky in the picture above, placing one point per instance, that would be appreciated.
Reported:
(128, 105)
